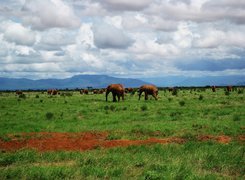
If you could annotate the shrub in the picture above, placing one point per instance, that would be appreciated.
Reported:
(37, 96)
(182, 103)
(227, 93)
(175, 92)
(112, 108)
(236, 117)
(49, 115)
(240, 91)
(106, 108)
(23, 96)
(200, 97)
(143, 108)
(124, 108)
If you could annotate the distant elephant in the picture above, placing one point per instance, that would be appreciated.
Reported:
(116, 90)
(149, 90)
(213, 88)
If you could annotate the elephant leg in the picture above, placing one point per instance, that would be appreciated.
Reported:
(140, 94)
(146, 96)
(155, 96)
(114, 97)
(107, 92)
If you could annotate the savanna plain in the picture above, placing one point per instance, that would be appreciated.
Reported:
(193, 134)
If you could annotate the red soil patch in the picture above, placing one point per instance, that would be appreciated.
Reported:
(241, 138)
(85, 141)
(73, 141)
(221, 139)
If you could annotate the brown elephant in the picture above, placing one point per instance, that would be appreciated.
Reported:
(52, 91)
(116, 90)
(213, 88)
(149, 90)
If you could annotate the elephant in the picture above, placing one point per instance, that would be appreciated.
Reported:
(52, 91)
(213, 88)
(149, 90)
(117, 90)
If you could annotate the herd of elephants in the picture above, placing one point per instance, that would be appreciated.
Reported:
(118, 91)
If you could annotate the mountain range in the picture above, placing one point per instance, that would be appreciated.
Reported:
(78, 81)
(102, 81)
(166, 81)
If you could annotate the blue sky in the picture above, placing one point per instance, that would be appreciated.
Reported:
(123, 38)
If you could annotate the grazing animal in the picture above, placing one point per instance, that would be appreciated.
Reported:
(52, 91)
(101, 91)
(229, 88)
(213, 88)
(49, 91)
(19, 92)
(148, 90)
(129, 90)
(85, 91)
(116, 90)
(170, 89)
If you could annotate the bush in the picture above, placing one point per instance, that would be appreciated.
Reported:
(49, 115)
(23, 96)
(240, 91)
(182, 103)
(200, 97)
(236, 117)
(227, 93)
(37, 96)
(112, 108)
(106, 108)
(175, 92)
(143, 108)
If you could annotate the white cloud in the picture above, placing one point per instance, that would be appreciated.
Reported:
(17, 33)
(45, 38)
(44, 14)
(126, 4)
(108, 36)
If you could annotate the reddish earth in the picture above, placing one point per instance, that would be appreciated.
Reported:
(221, 139)
(46, 141)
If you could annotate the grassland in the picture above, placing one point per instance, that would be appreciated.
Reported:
(190, 114)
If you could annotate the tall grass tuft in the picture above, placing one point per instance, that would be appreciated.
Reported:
(182, 103)
(200, 97)
(49, 115)
(144, 108)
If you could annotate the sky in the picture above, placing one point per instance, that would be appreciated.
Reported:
(123, 38)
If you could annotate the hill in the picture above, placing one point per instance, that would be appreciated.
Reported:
(78, 81)
(197, 81)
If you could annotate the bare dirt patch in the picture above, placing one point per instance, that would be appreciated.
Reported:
(221, 139)
(54, 141)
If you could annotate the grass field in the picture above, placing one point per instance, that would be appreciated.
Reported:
(189, 115)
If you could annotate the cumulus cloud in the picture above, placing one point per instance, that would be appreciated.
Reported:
(126, 4)
(108, 36)
(17, 33)
(45, 14)
(45, 38)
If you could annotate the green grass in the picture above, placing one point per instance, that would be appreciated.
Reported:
(191, 160)
(188, 114)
